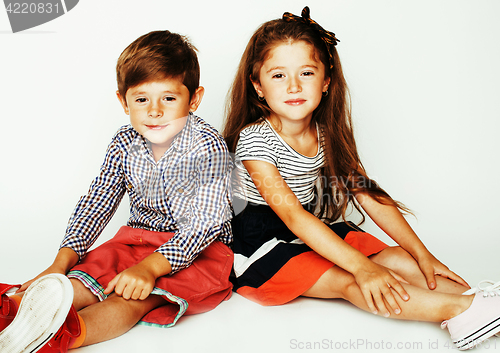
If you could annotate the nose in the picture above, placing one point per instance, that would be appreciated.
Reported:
(294, 85)
(155, 110)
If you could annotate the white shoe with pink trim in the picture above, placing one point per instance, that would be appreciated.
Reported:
(480, 321)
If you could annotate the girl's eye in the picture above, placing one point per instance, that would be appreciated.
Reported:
(308, 73)
(278, 76)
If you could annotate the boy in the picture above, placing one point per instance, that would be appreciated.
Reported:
(172, 257)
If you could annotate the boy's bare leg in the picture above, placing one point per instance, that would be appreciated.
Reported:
(83, 297)
(112, 317)
(115, 316)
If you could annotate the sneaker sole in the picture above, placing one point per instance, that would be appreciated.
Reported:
(480, 335)
(43, 310)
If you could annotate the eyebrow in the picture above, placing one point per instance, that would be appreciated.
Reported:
(282, 67)
(135, 93)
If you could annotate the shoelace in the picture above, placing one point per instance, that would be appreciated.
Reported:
(489, 288)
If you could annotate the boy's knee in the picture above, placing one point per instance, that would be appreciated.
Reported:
(82, 296)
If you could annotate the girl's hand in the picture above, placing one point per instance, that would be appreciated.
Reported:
(375, 282)
(430, 267)
(136, 282)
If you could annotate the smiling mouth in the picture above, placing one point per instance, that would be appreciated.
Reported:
(156, 127)
(295, 101)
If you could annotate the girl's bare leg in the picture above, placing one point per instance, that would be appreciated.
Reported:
(401, 262)
(424, 304)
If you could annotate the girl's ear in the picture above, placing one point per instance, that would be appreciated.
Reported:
(123, 102)
(326, 84)
(258, 88)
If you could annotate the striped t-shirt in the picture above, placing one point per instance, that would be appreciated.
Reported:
(261, 142)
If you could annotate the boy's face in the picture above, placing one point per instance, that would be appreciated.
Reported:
(158, 110)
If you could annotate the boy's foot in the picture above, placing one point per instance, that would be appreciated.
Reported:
(43, 310)
(480, 321)
(8, 306)
(66, 336)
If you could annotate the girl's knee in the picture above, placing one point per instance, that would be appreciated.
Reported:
(397, 259)
(334, 283)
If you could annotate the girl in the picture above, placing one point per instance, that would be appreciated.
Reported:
(289, 124)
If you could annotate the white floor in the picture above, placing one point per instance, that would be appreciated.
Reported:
(305, 325)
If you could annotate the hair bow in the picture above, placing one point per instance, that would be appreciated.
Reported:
(327, 37)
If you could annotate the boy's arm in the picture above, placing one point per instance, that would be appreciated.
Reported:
(94, 210)
(64, 261)
(204, 216)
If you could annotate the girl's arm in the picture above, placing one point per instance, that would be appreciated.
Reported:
(374, 280)
(392, 222)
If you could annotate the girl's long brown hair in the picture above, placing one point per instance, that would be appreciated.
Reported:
(343, 174)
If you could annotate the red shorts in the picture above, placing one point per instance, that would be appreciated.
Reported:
(195, 289)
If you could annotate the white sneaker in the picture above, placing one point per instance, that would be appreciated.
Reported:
(488, 288)
(480, 321)
(43, 309)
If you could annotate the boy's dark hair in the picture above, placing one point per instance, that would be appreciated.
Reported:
(158, 55)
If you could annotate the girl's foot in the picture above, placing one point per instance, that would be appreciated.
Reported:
(480, 321)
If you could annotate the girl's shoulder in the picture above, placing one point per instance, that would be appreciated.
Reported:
(257, 130)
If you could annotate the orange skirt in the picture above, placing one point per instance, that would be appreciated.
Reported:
(272, 266)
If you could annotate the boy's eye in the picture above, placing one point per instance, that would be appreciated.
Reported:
(141, 100)
(169, 99)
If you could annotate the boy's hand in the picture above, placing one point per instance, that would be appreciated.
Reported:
(65, 260)
(135, 283)
(52, 269)
(138, 281)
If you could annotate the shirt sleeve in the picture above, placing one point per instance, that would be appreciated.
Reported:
(205, 214)
(94, 210)
(253, 146)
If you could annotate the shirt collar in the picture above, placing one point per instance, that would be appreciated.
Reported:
(184, 139)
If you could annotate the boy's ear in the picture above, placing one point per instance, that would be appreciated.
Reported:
(258, 88)
(123, 102)
(196, 99)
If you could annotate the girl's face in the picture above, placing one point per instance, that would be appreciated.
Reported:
(292, 80)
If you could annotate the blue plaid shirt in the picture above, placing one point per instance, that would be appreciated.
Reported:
(186, 192)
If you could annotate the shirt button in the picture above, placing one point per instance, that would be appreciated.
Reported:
(180, 191)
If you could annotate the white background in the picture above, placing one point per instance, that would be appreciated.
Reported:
(424, 77)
